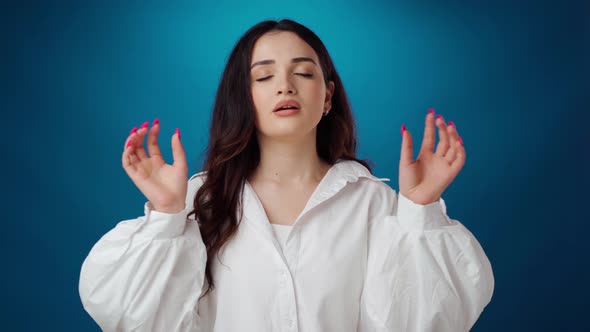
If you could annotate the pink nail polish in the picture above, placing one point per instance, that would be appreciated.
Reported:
(178, 133)
(133, 131)
(451, 123)
(156, 121)
(144, 125)
(431, 111)
(438, 116)
(460, 140)
(403, 129)
(128, 144)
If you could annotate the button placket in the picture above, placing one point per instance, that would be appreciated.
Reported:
(290, 323)
(284, 278)
(286, 297)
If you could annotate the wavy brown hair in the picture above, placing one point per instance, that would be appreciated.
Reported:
(233, 153)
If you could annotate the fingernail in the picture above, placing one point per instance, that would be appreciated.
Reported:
(451, 123)
(431, 111)
(133, 131)
(144, 125)
(178, 133)
(156, 121)
(128, 144)
(403, 129)
(460, 140)
(438, 116)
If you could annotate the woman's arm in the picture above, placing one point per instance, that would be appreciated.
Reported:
(425, 271)
(146, 274)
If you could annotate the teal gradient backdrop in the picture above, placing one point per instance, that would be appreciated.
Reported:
(77, 76)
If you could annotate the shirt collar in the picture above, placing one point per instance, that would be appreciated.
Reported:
(341, 173)
(337, 177)
(352, 171)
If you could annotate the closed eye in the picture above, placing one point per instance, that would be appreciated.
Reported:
(300, 74)
(263, 79)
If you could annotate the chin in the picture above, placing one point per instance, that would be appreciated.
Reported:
(287, 132)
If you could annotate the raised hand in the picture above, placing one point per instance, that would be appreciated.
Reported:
(424, 180)
(164, 185)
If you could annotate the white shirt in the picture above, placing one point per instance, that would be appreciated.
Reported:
(281, 233)
(359, 257)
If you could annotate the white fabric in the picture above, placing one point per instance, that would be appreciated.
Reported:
(360, 257)
(281, 233)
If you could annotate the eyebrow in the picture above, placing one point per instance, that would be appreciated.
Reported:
(294, 60)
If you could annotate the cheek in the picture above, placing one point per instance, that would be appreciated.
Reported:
(316, 93)
(259, 98)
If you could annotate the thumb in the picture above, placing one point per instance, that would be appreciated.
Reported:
(178, 151)
(407, 149)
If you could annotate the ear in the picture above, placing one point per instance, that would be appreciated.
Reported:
(329, 94)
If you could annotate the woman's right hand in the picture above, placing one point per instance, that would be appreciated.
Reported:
(164, 185)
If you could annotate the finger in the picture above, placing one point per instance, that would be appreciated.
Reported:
(139, 150)
(178, 151)
(406, 157)
(130, 159)
(451, 155)
(152, 140)
(428, 140)
(453, 141)
(443, 138)
(127, 158)
(459, 161)
(452, 132)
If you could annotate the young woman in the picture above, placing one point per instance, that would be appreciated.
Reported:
(284, 229)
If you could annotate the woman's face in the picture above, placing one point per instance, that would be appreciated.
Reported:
(284, 67)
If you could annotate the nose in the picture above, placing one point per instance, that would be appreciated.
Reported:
(286, 86)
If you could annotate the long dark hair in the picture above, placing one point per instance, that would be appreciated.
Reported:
(233, 152)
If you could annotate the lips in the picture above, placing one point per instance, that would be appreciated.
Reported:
(286, 103)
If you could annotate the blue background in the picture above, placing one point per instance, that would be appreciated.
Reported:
(76, 77)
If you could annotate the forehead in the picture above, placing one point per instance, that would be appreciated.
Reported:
(281, 46)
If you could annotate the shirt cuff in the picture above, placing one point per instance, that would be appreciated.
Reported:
(418, 217)
(160, 225)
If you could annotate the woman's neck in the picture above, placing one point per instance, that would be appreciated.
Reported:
(290, 161)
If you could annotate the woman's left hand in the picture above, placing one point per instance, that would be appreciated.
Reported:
(424, 180)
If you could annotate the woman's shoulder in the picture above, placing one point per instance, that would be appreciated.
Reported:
(194, 183)
(353, 171)
(364, 183)
(198, 177)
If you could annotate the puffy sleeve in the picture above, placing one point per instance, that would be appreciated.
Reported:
(146, 274)
(425, 271)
